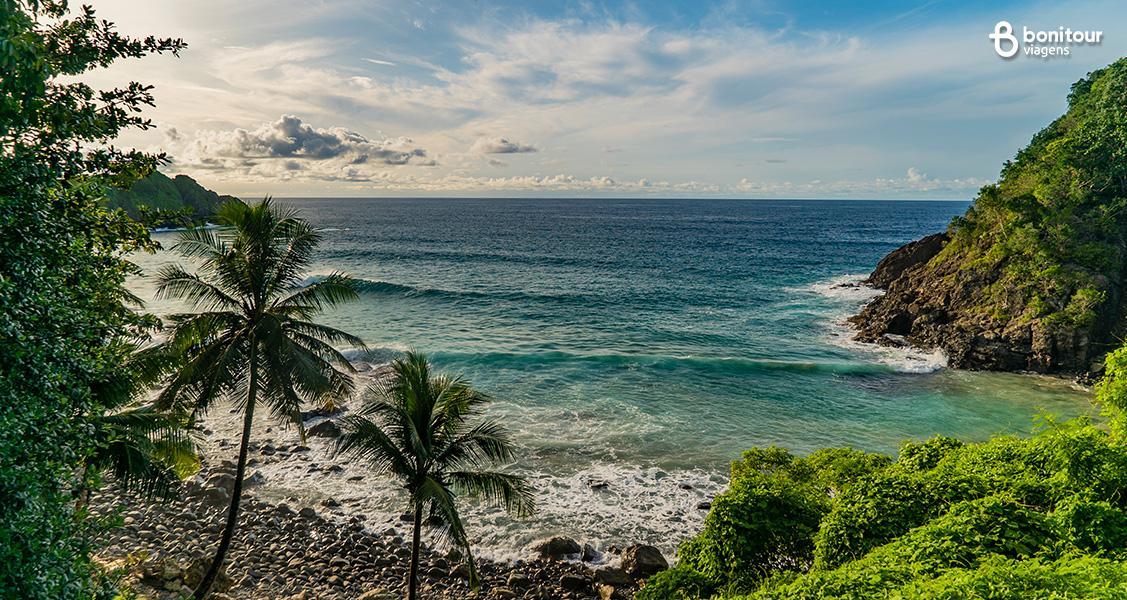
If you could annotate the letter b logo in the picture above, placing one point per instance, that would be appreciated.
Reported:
(1003, 32)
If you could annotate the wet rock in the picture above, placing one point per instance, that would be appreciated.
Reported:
(557, 548)
(575, 583)
(640, 561)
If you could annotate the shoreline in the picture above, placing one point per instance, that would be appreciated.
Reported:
(307, 552)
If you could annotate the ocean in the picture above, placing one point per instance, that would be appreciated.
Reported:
(639, 343)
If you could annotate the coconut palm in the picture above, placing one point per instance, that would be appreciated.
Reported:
(415, 426)
(253, 340)
(147, 450)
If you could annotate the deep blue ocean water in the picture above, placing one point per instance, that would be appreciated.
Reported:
(647, 342)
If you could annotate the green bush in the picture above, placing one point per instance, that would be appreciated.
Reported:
(943, 517)
(677, 583)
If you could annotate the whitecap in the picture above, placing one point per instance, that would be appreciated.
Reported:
(848, 293)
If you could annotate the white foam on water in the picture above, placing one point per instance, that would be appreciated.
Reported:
(848, 294)
(603, 504)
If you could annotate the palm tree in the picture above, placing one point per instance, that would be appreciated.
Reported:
(254, 340)
(415, 427)
(147, 450)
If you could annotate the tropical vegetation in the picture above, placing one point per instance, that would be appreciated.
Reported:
(416, 426)
(1047, 243)
(65, 329)
(1037, 517)
(252, 341)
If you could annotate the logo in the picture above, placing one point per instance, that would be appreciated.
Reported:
(1003, 32)
(1043, 44)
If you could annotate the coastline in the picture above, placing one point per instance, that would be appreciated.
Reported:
(302, 551)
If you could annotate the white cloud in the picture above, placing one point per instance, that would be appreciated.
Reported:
(912, 184)
(501, 146)
(289, 145)
(714, 103)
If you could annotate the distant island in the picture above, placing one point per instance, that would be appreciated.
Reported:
(1031, 277)
(162, 201)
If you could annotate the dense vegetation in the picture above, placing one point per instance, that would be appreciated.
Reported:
(1044, 516)
(65, 329)
(1048, 240)
(160, 200)
(1007, 518)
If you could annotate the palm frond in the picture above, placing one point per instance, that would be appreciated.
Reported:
(173, 282)
(510, 492)
(366, 440)
(334, 289)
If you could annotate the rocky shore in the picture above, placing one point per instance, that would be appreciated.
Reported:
(319, 552)
(933, 304)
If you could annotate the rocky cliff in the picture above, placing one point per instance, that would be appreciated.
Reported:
(1031, 277)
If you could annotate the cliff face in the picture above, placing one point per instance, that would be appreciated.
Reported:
(940, 306)
(1030, 279)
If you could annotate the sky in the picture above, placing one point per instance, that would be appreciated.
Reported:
(758, 99)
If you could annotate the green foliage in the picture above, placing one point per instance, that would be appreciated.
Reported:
(678, 583)
(1111, 391)
(254, 339)
(766, 520)
(63, 326)
(1045, 245)
(159, 196)
(1007, 518)
(416, 426)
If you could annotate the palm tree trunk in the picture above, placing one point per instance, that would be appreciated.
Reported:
(236, 494)
(413, 582)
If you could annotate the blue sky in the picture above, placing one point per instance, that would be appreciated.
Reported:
(478, 98)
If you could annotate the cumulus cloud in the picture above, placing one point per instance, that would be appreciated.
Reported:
(501, 145)
(289, 137)
(290, 148)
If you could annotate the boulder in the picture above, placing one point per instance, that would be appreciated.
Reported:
(641, 561)
(612, 576)
(326, 429)
(557, 548)
(377, 594)
(223, 481)
(575, 583)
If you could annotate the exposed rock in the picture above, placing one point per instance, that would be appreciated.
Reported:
(574, 583)
(557, 548)
(640, 561)
(377, 594)
(282, 554)
(326, 429)
(892, 267)
(223, 481)
(613, 576)
(940, 305)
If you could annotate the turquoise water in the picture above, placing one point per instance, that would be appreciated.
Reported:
(648, 342)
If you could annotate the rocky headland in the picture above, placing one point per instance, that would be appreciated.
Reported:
(1030, 278)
